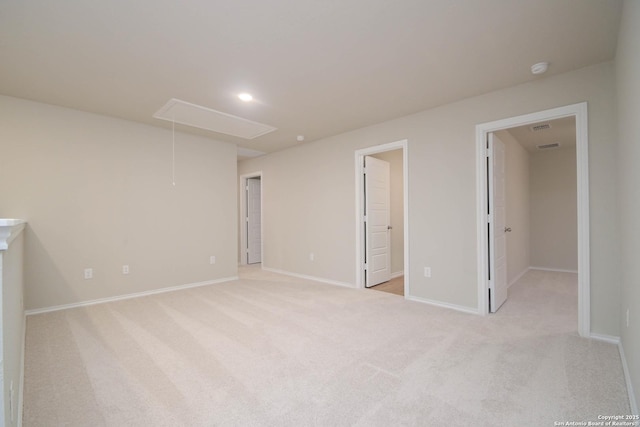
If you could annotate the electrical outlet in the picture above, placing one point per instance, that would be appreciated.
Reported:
(88, 273)
(427, 272)
(312, 256)
(212, 259)
(125, 269)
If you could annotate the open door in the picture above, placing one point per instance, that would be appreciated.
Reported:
(497, 223)
(377, 220)
(485, 181)
(254, 226)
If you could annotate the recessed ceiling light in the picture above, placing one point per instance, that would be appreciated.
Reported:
(246, 97)
(539, 68)
(300, 138)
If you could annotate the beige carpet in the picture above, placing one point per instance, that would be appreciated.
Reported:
(270, 350)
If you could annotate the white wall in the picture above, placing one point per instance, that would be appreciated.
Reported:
(541, 208)
(394, 157)
(554, 215)
(310, 192)
(517, 209)
(97, 192)
(628, 90)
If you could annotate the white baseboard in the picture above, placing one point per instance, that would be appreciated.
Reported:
(441, 304)
(129, 296)
(306, 277)
(611, 339)
(627, 378)
(559, 270)
(397, 274)
(519, 276)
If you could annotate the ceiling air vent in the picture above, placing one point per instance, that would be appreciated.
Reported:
(548, 146)
(539, 127)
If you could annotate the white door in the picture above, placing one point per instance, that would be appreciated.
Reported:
(377, 188)
(254, 226)
(497, 223)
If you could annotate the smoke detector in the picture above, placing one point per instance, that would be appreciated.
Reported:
(539, 68)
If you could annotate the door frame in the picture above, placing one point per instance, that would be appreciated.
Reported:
(579, 111)
(243, 215)
(359, 204)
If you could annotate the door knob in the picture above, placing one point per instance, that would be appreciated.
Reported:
(507, 229)
(389, 227)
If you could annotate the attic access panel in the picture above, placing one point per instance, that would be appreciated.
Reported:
(186, 113)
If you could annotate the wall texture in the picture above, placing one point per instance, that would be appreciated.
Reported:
(97, 192)
(628, 85)
(394, 157)
(554, 215)
(517, 212)
(310, 192)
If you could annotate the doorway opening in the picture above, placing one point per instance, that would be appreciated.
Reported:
(491, 239)
(251, 242)
(382, 237)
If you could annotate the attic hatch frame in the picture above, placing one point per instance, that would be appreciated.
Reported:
(579, 111)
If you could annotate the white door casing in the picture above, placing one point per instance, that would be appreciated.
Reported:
(497, 273)
(580, 112)
(359, 156)
(377, 221)
(253, 221)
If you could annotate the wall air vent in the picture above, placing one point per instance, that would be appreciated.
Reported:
(548, 146)
(201, 117)
(540, 126)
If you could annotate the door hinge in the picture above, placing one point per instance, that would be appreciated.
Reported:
(364, 218)
(247, 219)
(366, 267)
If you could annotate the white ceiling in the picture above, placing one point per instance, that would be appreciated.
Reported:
(562, 131)
(315, 67)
